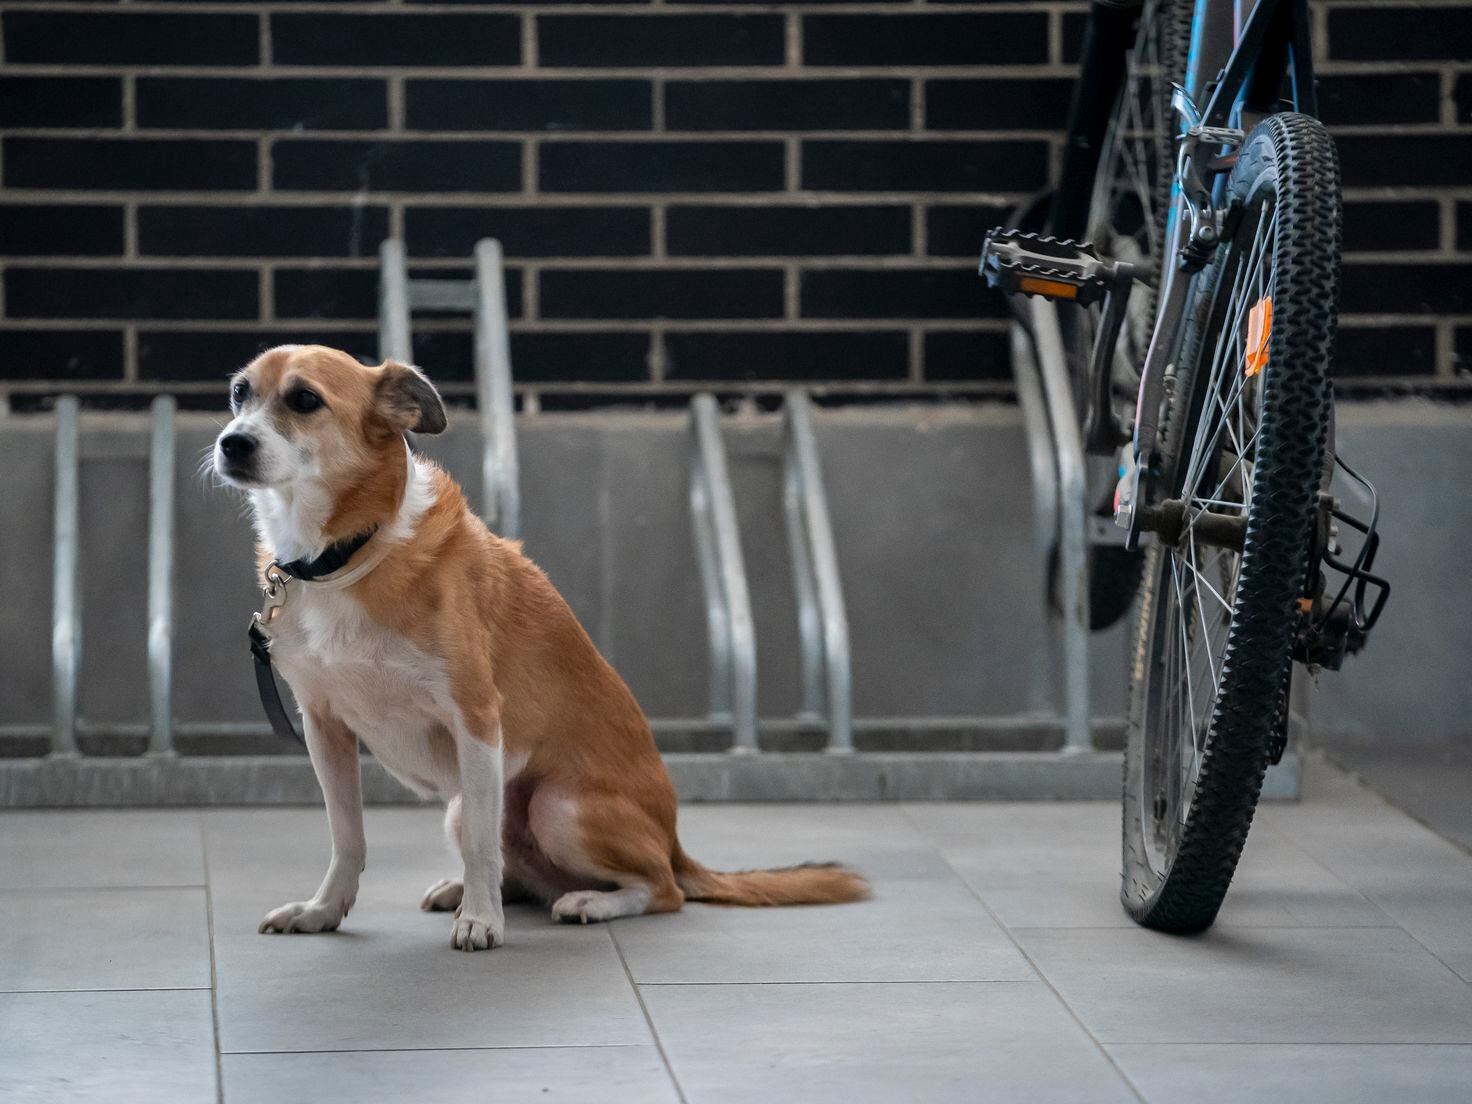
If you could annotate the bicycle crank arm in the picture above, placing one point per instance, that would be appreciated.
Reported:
(1102, 432)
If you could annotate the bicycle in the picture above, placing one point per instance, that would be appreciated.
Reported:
(1199, 342)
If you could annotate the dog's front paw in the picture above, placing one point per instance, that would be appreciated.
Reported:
(304, 916)
(477, 933)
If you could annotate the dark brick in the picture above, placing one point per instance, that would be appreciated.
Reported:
(528, 104)
(1001, 104)
(130, 38)
(1424, 288)
(137, 164)
(539, 231)
(52, 230)
(130, 293)
(787, 231)
(1462, 96)
(247, 103)
(967, 355)
(436, 166)
(898, 293)
(853, 166)
(351, 293)
(983, 38)
(580, 357)
(1387, 160)
(661, 293)
(540, 357)
(69, 354)
(209, 355)
(325, 292)
(1412, 224)
(1404, 33)
(788, 105)
(1464, 227)
(1462, 351)
(787, 355)
(1380, 98)
(661, 166)
(1073, 35)
(665, 40)
(61, 102)
(394, 38)
(261, 231)
(1384, 351)
(958, 231)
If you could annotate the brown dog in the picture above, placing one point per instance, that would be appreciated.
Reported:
(452, 657)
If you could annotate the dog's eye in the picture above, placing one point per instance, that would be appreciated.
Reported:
(303, 400)
(239, 392)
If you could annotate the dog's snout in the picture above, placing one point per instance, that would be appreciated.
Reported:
(237, 447)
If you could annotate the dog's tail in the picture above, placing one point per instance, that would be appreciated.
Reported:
(805, 884)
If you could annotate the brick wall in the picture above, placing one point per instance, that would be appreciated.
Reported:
(737, 193)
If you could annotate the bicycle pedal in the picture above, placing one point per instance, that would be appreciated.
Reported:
(1056, 268)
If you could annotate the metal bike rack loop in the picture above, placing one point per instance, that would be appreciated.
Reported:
(1055, 444)
(723, 578)
(484, 298)
(499, 465)
(821, 618)
(66, 612)
(161, 576)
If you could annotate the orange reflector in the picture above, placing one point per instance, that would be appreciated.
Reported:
(1306, 605)
(1031, 285)
(1259, 329)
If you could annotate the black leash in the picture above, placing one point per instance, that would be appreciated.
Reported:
(278, 575)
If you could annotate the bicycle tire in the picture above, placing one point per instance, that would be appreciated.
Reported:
(1289, 159)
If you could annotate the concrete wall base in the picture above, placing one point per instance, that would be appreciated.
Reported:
(699, 777)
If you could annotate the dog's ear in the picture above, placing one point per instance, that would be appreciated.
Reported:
(407, 399)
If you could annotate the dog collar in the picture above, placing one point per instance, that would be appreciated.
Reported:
(335, 558)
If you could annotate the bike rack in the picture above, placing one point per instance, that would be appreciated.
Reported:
(484, 298)
(822, 622)
(821, 618)
(1055, 449)
(161, 577)
(66, 612)
(66, 617)
(59, 775)
(728, 617)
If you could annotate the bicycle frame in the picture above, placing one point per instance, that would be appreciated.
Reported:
(1255, 55)
(1238, 66)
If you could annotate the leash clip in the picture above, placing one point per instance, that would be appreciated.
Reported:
(273, 596)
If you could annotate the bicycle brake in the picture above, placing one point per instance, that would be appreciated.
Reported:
(1205, 230)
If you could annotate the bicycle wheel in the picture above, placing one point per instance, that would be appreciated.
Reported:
(1243, 438)
(1126, 222)
(1132, 187)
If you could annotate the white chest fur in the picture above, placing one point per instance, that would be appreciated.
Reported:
(389, 692)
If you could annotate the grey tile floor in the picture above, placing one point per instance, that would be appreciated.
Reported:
(992, 965)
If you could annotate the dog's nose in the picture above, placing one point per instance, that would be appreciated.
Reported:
(236, 447)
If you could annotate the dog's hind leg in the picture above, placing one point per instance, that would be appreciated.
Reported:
(604, 840)
(445, 895)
